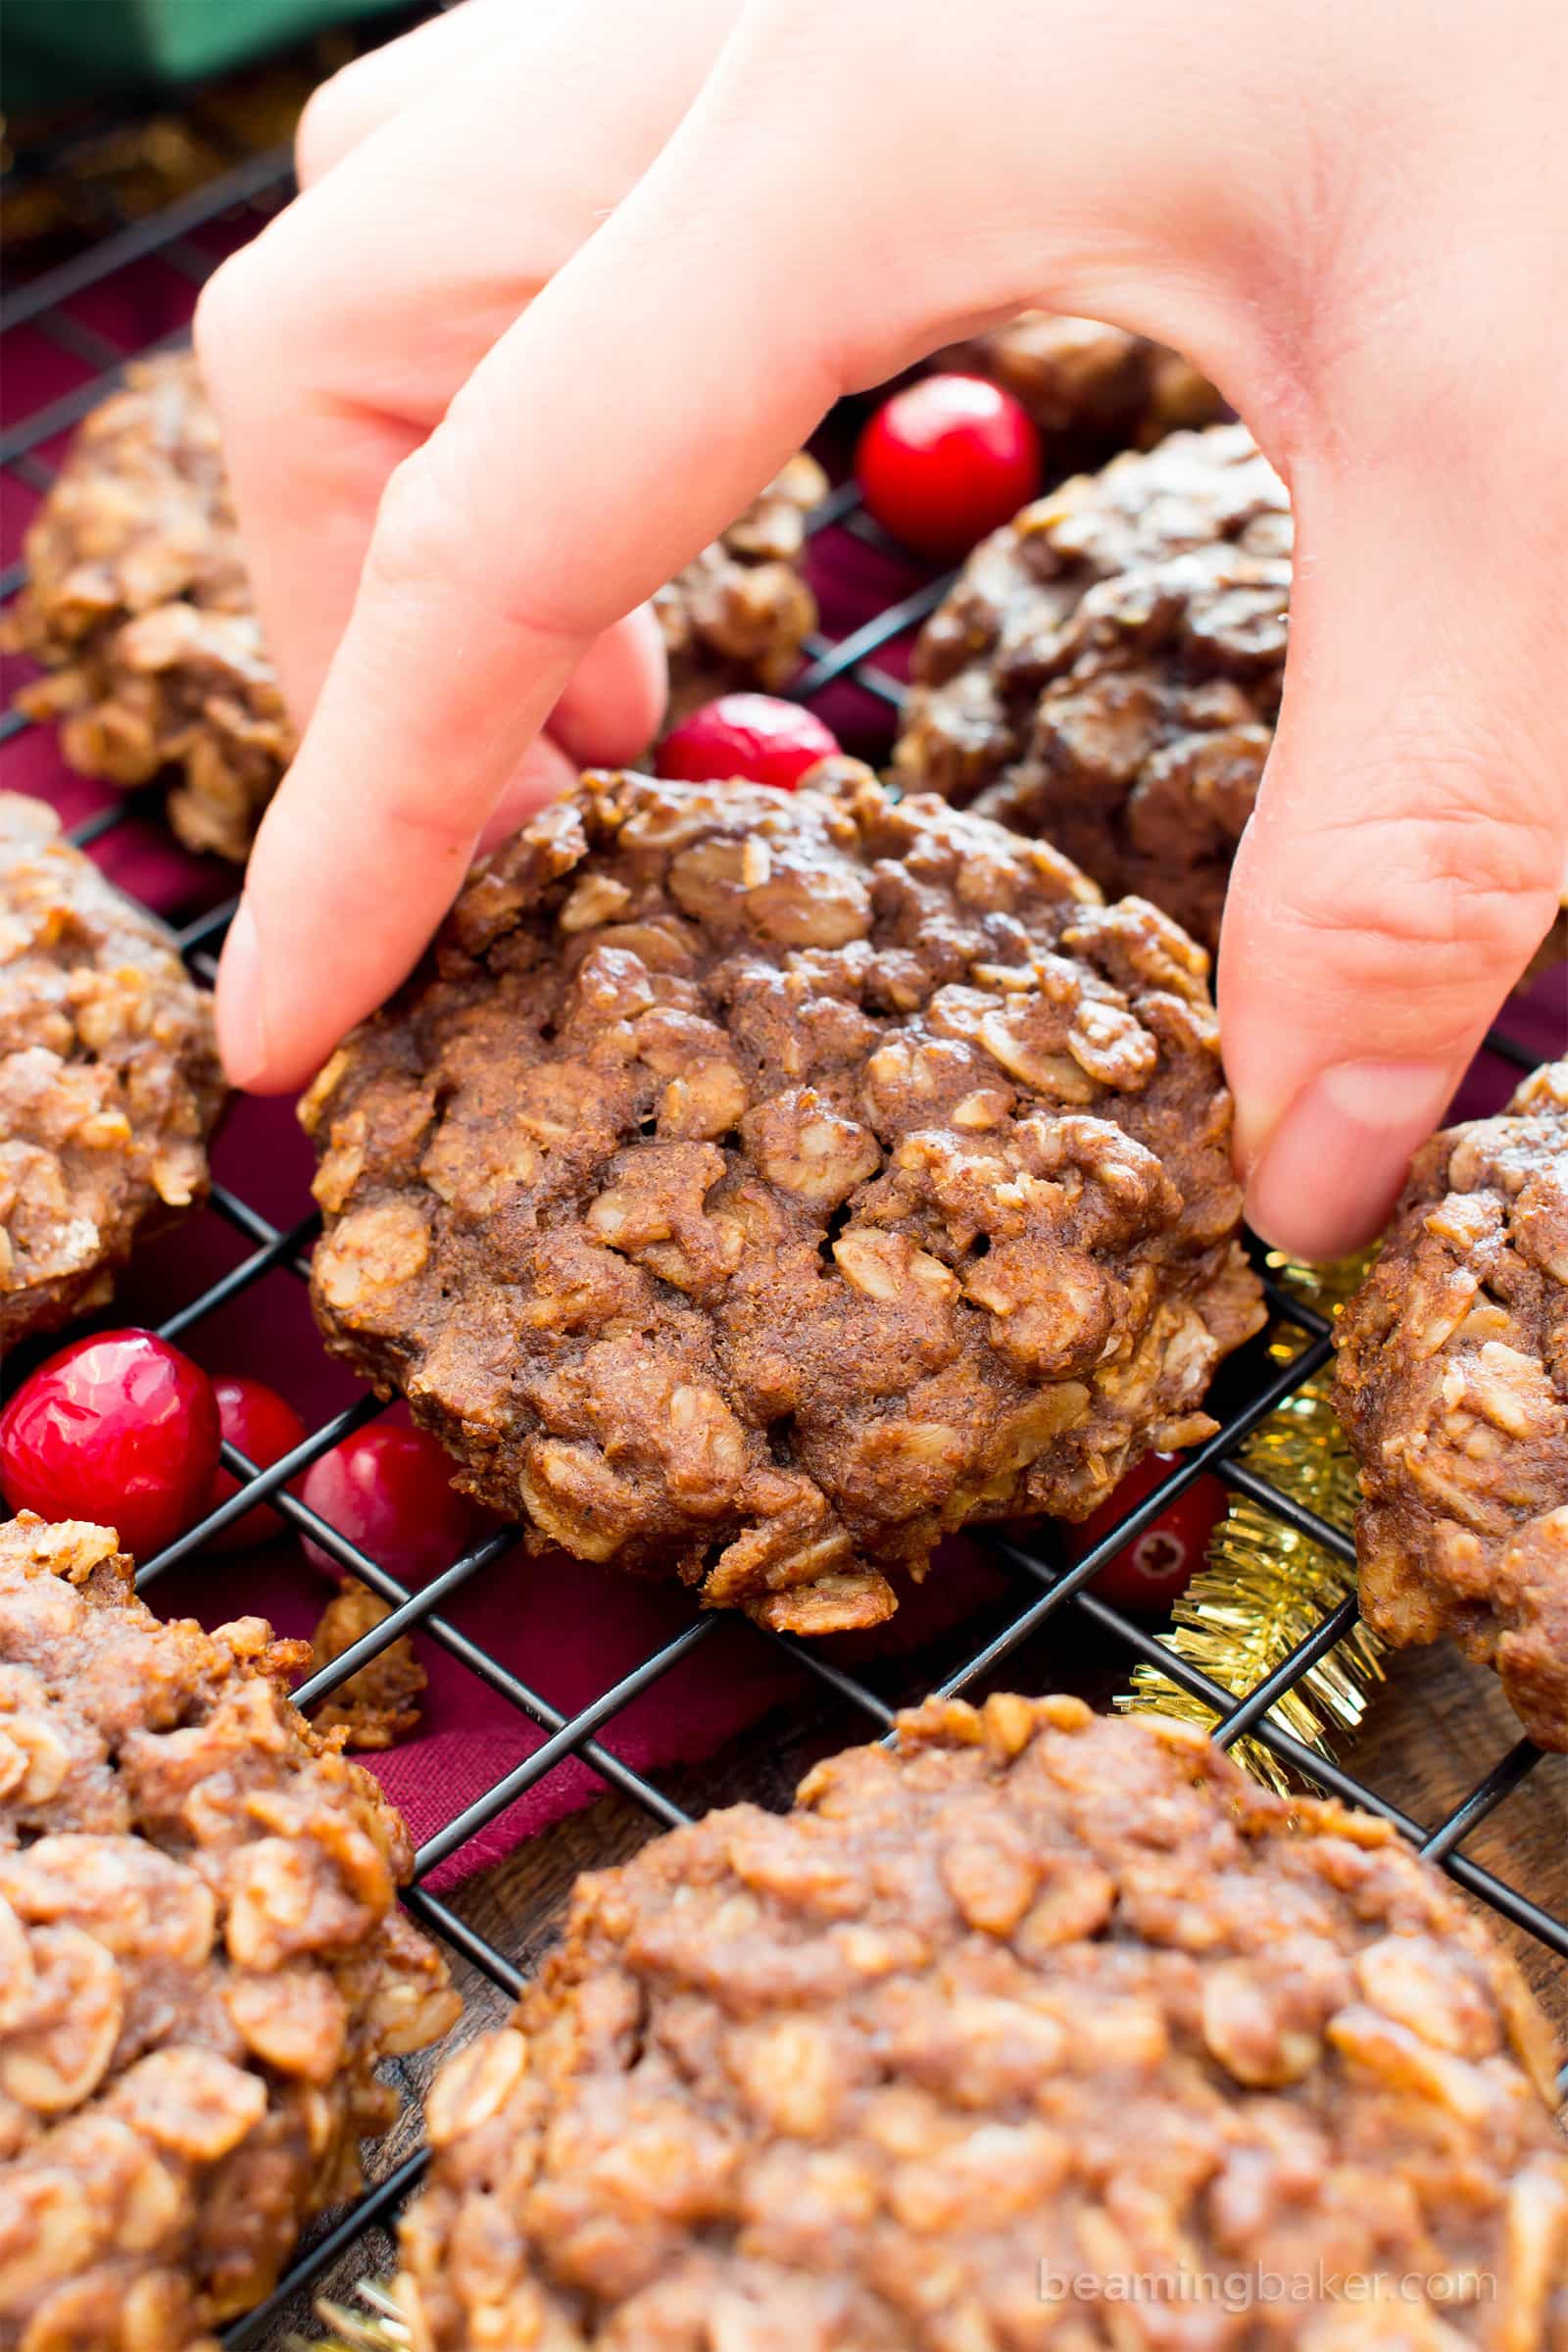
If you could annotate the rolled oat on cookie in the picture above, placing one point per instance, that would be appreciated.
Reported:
(757, 1186)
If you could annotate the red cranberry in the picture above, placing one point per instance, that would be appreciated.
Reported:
(751, 735)
(264, 1426)
(388, 1489)
(1155, 1567)
(946, 460)
(119, 1428)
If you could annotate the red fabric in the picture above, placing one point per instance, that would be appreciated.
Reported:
(567, 1629)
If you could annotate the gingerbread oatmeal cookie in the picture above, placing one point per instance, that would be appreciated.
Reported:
(1107, 671)
(381, 1703)
(1038, 1997)
(740, 612)
(202, 1961)
(1452, 1386)
(110, 1082)
(758, 1186)
(138, 604)
(1090, 388)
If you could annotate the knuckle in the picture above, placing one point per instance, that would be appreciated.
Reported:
(251, 318)
(224, 308)
(417, 541)
(328, 126)
(1450, 893)
(436, 536)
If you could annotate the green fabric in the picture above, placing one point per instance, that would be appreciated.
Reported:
(52, 51)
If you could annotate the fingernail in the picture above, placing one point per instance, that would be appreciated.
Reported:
(241, 1015)
(1332, 1170)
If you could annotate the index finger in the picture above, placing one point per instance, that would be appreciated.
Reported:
(483, 588)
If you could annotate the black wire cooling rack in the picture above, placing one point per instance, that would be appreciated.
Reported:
(187, 238)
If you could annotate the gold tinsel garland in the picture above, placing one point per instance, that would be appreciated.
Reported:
(375, 2327)
(1265, 1589)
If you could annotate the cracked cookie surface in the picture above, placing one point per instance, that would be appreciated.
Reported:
(739, 612)
(110, 1082)
(758, 1187)
(1106, 672)
(1038, 1996)
(1453, 1386)
(1090, 388)
(202, 1961)
(138, 605)
(383, 1703)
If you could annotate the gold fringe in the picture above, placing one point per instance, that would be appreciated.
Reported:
(1265, 1589)
(375, 2327)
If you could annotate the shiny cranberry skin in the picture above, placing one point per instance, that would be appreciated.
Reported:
(751, 735)
(946, 460)
(119, 1428)
(388, 1489)
(1155, 1567)
(263, 1426)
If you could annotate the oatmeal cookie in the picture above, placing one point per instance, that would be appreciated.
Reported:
(138, 604)
(381, 1703)
(1090, 388)
(739, 612)
(110, 1082)
(1453, 1386)
(203, 1959)
(759, 1185)
(1107, 670)
(1037, 1997)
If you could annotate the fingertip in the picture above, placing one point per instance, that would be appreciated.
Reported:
(238, 1003)
(610, 712)
(240, 1007)
(543, 775)
(274, 1031)
(1329, 1173)
(1306, 1229)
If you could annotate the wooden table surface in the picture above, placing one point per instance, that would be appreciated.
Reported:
(1433, 1733)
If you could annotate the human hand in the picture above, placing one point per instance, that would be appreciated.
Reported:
(562, 300)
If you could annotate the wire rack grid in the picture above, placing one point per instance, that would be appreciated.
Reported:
(188, 237)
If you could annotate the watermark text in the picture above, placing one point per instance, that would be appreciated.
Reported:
(1245, 2289)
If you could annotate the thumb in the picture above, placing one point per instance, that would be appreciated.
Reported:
(1407, 851)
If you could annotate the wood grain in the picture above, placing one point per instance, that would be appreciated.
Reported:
(1434, 1731)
